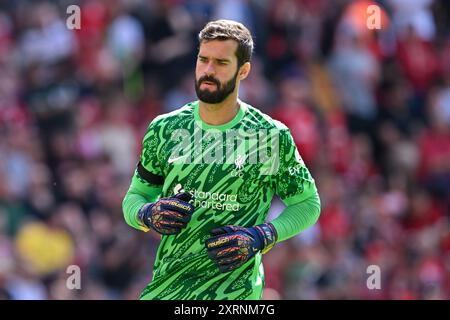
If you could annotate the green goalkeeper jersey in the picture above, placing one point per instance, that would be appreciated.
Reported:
(232, 171)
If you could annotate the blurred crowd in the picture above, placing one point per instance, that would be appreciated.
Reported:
(368, 109)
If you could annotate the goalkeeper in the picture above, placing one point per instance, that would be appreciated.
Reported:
(210, 211)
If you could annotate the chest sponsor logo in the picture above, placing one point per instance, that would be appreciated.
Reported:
(211, 200)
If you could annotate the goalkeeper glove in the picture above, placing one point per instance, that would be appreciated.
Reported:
(231, 246)
(167, 216)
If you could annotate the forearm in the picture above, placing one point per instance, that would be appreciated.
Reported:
(297, 217)
(229, 254)
(137, 195)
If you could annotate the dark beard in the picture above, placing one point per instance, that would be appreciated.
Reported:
(220, 94)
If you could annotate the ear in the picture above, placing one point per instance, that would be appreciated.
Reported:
(244, 70)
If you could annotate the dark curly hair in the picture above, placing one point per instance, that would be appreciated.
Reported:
(229, 29)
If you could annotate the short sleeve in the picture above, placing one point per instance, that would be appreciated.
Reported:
(293, 181)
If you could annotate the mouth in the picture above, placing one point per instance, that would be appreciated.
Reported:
(208, 84)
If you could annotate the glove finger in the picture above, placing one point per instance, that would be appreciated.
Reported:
(184, 196)
(174, 216)
(169, 231)
(229, 266)
(221, 242)
(217, 231)
(182, 207)
(227, 269)
(170, 224)
(225, 253)
(230, 260)
(217, 253)
(160, 222)
(223, 230)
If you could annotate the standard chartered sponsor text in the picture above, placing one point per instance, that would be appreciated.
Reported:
(215, 200)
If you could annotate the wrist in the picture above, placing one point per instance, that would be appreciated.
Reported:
(268, 235)
(143, 214)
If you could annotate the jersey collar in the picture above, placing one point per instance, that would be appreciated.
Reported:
(240, 114)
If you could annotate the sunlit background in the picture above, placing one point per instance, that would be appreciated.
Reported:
(369, 111)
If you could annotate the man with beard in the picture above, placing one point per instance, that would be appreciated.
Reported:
(209, 198)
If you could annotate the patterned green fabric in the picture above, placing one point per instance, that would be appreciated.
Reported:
(233, 188)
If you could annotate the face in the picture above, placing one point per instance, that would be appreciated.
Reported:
(216, 73)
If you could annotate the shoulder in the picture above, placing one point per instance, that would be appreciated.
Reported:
(172, 118)
(260, 120)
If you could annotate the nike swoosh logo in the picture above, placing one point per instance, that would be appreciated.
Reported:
(175, 159)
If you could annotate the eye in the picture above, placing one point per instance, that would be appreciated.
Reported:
(202, 59)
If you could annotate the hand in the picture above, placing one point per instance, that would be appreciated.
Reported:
(168, 216)
(232, 246)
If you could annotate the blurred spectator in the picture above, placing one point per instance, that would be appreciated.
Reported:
(356, 73)
(414, 13)
(435, 154)
(294, 111)
(418, 60)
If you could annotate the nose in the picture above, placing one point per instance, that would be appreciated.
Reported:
(209, 69)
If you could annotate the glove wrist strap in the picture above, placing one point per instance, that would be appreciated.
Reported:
(269, 236)
(143, 214)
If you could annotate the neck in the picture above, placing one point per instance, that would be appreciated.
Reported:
(219, 113)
